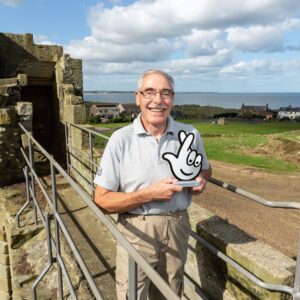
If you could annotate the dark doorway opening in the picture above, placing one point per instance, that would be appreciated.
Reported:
(47, 129)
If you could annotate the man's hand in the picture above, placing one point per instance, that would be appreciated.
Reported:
(198, 189)
(163, 190)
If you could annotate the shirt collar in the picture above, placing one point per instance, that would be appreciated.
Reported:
(139, 128)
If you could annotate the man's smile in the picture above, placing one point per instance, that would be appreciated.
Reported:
(157, 109)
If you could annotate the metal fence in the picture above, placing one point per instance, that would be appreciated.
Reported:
(134, 257)
(294, 291)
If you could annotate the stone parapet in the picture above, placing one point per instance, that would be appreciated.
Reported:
(41, 52)
(220, 280)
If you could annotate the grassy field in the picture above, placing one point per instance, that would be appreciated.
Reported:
(271, 145)
(252, 144)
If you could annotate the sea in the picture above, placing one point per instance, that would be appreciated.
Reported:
(225, 100)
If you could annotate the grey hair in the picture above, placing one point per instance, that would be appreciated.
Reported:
(155, 71)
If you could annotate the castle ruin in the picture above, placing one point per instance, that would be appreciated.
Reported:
(42, 88)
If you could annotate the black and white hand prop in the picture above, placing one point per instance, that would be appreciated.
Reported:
(186, 164)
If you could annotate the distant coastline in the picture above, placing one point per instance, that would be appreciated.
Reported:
(225, 100)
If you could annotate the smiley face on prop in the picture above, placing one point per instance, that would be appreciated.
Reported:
(186, 164)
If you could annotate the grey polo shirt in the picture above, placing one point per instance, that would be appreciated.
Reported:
(133, 160)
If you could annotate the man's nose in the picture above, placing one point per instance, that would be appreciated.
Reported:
(158, 97)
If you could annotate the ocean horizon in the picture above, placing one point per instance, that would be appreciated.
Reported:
(225, 100)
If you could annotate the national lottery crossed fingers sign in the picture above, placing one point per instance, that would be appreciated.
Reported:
(186, 164)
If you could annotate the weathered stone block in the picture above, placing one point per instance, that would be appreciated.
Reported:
(73, 100)
(75, 114)
(4, 259)
(3, 247)
(4, 271)
(22, 79)
(24, 108)
(69, 70)
(8, 81)
(25, 141)
(2, 234)
(7, 116)
(5, 295)
(5, 283)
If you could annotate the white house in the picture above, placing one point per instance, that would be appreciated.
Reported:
(108, 111)
(289, 112)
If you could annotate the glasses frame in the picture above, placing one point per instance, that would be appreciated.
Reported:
(154, 94)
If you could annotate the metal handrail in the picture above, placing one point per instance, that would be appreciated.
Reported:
(295, 291)
(233, 263)
(134, 255)
(251, 196)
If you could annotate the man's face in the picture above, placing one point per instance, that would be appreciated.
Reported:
(155, 111)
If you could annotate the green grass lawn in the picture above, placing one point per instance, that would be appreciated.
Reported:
(234, 142)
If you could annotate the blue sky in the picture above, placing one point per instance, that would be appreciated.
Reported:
(207, 45)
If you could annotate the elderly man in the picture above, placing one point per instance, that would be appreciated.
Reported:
(136, 180)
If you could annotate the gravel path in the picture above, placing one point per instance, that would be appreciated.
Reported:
(277, 227)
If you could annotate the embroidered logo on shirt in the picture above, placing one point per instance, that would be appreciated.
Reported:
(186, 164)
(99, 172)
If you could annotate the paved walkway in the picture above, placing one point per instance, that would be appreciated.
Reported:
(94, 242)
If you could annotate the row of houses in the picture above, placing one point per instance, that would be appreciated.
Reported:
(265, 112)
(115, 110)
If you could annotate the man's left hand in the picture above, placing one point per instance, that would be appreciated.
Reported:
(198, 189)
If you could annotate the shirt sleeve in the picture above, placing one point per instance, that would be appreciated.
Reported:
(108, 173)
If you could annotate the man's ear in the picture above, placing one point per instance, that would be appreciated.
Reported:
(137, 98)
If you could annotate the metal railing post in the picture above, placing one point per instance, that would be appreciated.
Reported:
(31, 160)
(50, 258)
(25, 170)
(297, 274)
(91, 157)
(56, 229)
(132, 279)
(67, 147)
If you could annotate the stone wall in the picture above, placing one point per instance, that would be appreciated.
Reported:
(52, 82)
(221, 281)
(11, 161)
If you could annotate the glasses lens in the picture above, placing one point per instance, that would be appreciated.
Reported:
(166, 94)
(149, 94)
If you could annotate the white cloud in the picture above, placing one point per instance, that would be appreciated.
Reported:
(268, 68)
(261, 38)
(187, 38)
(144, 20)
(201, 42)
(256, 38)
(11, 2)
(42, 40)
(92, 49)
(203, 64)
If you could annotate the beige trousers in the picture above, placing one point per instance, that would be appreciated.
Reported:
(162, 240)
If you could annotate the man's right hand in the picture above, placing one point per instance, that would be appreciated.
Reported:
(162, 190)
(118, 202)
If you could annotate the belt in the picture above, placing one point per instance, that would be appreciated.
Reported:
(167, 214)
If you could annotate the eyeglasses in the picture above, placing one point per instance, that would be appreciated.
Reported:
(164, 94)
